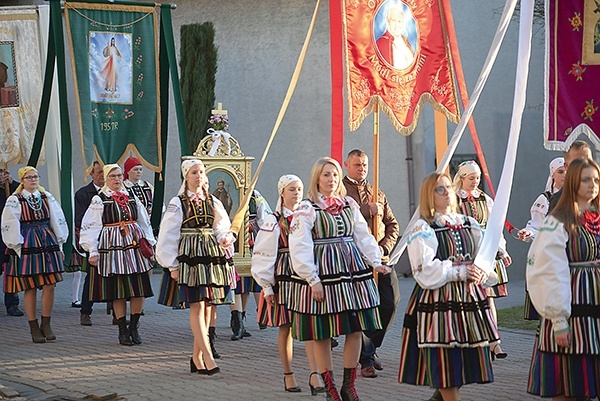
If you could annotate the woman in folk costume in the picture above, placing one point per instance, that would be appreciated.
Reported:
(333, 292)
(271, 268)
(448, 326)
(474, 203)
(563, 277)
(143, 190)
(34, 230)
(192, 240)
(538, 211)
(111, 231)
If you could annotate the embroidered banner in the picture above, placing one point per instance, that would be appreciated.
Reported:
(20, 83)
(114, 51)
(397, 56)
(572, 72)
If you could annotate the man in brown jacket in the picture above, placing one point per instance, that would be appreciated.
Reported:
(357, 186)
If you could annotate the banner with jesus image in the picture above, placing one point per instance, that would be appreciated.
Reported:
(115, 58)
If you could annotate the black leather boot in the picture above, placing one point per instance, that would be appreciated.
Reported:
(348, 391)
(133, 328)
(124, 336)
(212, 334)
(244, 332)
(332, 393)
(236, 325)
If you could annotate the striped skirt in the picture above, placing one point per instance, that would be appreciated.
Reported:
(456, 354)
(307, 327)
(119, 286)
(553, 374)
(13, 284)
(500, 290)
(247, 284)
(40, 252)
(529, 311)
(120, 251)
(273, 315)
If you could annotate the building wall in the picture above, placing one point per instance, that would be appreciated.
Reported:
(258, 45)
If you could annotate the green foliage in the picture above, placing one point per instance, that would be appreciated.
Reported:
(512, 318)
(198, 63)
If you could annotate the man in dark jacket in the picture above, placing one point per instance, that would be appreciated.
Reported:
(7, 187)
(83, 198)
(386, 234)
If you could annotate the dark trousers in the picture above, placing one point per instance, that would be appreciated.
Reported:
(10, 300)
(86, 304)
(389, 295)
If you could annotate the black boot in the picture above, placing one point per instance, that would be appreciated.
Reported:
(244, 332)
(133, 328)
(212, 334)
(348, 391)
(236, 325)
(332, 393)
(124, 336)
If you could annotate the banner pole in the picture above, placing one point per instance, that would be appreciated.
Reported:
(441, 137)
(375, 221)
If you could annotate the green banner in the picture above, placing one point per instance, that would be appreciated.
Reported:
(114, 52)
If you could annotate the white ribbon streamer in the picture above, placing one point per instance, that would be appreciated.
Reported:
(217, 136)
(509, 9)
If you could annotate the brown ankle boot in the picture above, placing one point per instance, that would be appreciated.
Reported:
(332, 393)
(36, 334)
(46, 329)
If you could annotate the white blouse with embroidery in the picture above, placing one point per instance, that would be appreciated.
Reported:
(169, 234)
(264, 254)
(428, 270)
(91, 224)
(548, 275)
(11, 221)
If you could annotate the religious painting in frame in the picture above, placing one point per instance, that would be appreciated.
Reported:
(591, 33)
(9, 88)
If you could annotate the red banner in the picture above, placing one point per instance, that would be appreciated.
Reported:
(397, 55)
(572, 73)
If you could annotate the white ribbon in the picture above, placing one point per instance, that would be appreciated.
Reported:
(217, 136)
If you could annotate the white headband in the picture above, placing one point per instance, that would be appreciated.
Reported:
(186, 165)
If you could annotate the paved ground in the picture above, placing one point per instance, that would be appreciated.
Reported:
(89, 362)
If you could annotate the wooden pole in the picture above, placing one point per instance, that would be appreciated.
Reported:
(441, 136)
(375, 220)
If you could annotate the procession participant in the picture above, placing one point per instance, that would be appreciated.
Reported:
(357, 186)
(258, 210)
(192, 240)
(562, 275)
(578, 150)
(448, 326)
(34, 230)
(475, 203)
(83, 198)
(333, 290)
(115, 231)
(7, 187)
(538, 211)
(271, 268)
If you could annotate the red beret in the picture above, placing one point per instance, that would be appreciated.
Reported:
(129, 164)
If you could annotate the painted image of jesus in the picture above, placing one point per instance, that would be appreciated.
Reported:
(394, 44)
(111, 66)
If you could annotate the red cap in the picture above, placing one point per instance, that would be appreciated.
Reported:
(129, 164)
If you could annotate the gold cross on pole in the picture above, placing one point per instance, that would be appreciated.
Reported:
(219, 109)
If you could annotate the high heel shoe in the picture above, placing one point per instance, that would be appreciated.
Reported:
(193, 367)
(209, 372)
(499, 355)
(314, 390)
(295, 389)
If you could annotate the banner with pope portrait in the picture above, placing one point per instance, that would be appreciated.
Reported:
(397, 56)
(115, 58)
